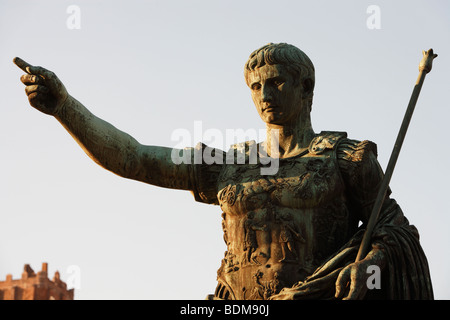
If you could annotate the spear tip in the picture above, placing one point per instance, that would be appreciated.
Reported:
(427, 61)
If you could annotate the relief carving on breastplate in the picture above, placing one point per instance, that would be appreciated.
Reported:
(228, 195)
(262, 289)
(267, 219)
(290, 237)
(250, 243)
(315, 180)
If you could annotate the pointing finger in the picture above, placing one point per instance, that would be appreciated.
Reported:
(22, 64)
(28, 68)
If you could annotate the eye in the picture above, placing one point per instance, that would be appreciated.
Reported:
(256, 86)
(278, 82)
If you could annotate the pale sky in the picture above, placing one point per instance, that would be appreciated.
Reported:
(153, 67)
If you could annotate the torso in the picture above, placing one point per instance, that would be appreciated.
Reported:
(279, 228)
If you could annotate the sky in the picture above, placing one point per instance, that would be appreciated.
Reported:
(151, 68)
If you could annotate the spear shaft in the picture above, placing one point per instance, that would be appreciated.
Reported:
(425, 66)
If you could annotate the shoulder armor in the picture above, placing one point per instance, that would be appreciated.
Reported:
(326, 140)
(243, 146)
(242, 152)
(356, 150)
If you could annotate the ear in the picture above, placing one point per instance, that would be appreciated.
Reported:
(308, 86)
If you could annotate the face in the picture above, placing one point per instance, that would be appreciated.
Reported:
(277, 97)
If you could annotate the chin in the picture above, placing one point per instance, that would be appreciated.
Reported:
(272, 119)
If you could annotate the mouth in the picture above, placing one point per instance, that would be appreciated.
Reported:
(270, 108)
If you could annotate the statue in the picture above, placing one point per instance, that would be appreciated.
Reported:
(292, 234)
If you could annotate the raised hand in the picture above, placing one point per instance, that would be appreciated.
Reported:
(44, 90)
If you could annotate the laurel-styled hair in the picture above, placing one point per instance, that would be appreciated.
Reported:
(294, 60)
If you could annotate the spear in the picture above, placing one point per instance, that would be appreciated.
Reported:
(424, 67)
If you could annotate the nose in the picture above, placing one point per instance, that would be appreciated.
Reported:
(266, 93)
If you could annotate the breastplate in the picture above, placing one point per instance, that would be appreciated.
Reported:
(279, 228)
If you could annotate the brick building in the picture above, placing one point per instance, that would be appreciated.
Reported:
(34, 286)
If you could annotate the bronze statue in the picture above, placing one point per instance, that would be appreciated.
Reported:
(292, 234)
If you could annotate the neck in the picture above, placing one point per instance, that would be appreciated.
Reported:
(291, 139)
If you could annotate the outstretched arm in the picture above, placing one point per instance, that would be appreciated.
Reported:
(111, 148)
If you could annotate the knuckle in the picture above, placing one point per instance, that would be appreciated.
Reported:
(48, 74)
(25, 77)
(36, 89)
(32, 96)
(29, 89)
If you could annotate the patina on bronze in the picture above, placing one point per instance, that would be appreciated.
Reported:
(292, 234)
(425, 66)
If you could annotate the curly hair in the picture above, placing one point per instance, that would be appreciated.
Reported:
(294, 60)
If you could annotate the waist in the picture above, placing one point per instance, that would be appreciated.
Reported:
(254, 281)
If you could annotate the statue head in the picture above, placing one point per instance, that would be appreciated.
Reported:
(293, 60)
(281, 78)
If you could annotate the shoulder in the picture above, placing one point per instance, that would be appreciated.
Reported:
(356, 151)
(358, 163)
(346, 148)
(243, 147)
(243, 152)
(357, 159)
(326, 140)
